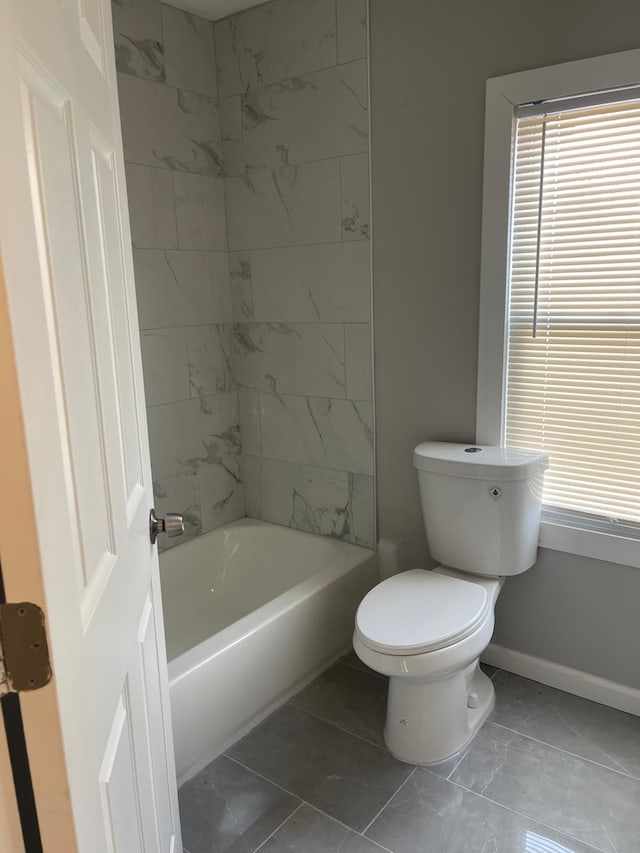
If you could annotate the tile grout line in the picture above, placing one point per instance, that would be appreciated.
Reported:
(243, 249)
(254, 90)
(520, 814)
(350, 828)
(457, 764)
(566, 751)
(306, 802)
(279, 827)
(359, 668)
(340, 728)
(371, 822)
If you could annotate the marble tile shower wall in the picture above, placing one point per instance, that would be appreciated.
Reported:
(172, 146)
(293, 96)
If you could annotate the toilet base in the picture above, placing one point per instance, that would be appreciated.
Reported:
(431, 720)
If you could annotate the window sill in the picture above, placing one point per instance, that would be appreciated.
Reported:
(612, 545)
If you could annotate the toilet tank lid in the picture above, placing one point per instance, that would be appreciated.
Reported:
(478, 462)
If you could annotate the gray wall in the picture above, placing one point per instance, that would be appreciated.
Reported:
(293, 87)
(429, 63)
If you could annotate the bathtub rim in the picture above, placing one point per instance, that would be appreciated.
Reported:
(193, 658)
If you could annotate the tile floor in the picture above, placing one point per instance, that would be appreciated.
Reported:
(548, 773)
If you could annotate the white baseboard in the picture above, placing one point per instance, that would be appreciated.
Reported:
(592, 687)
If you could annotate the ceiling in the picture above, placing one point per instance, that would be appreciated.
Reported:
(214, 9)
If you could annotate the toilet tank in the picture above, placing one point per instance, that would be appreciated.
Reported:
(481, 505)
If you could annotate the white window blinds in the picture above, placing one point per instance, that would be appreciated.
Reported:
(573, 343)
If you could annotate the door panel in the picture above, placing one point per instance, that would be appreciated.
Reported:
(69, 282)
(121, 806)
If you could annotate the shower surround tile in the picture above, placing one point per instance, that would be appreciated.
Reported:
(137, 30)
(319, 431)
(250, 469)
(274, 42)
(429, 814)
(186, 436)
(221, 493)
(209, 359)
(354, 176)
(591, 803)
(352, 29)
(314, 117)
(362, 501)
(271, 166)
(328, 283)
(283, 207)
(359, 361)
(343, 776)
(249, 405)
(173, 128)
(200, 214)
(182, 491)
(151, 208)
(290, 358)
(164, 363)
(176, 288)
(228, 808)
(232, 138)
(190, 52)
(317, 500)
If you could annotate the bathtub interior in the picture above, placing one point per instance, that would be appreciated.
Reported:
(214, 580)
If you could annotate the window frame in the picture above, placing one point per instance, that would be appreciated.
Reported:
(603, 541)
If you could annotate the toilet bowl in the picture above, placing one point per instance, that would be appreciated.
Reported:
(426, 630)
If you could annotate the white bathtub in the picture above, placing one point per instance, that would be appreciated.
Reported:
(252, 612)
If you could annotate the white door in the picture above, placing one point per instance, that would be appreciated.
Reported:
(76, 490)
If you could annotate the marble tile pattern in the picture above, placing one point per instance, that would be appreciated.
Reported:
(173, 151)
(508, 793)
(246, 143)
(318, 500)
(294, 123)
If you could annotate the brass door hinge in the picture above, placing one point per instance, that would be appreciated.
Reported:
(24, 654)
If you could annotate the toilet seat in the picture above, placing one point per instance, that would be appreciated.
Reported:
(419, 611)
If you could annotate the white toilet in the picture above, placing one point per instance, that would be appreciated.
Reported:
(427, 629)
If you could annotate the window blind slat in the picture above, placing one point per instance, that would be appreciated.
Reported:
(574, 389)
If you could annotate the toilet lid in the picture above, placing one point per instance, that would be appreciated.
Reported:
(419, 611)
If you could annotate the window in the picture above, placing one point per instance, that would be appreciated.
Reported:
(565, 342)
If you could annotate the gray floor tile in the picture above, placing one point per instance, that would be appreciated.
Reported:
(353, 660)
(430, 815)
(227, 808)
(310, 831)
(599, 806)
(488, 669)
(585, 728)
(349, 698)
(342, 775)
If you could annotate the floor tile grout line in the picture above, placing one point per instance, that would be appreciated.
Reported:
(567, 751)
(279, 827)
(375, 818)
(307, 803)
(350, 828)
(515, 811)
(360, 669)
(340, 728)
(264, 778)
(457, 764)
